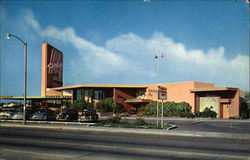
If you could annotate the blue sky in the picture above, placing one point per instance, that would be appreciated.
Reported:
(114, 42)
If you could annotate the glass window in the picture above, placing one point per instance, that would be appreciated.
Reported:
(99, 94)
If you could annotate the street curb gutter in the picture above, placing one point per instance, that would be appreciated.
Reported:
(140, 131)
(172, 127)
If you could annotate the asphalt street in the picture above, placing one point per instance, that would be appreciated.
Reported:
(205, 125)
(40, 143)
(212, 126)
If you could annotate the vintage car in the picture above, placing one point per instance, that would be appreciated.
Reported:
(68, 114)
(47, 115)
(88, 115)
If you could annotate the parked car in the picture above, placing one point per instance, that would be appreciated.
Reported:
(19, 115)
(88, 114)
(68, 114)
(44, 115)
(8, 112)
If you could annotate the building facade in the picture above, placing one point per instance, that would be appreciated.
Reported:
(225, 101)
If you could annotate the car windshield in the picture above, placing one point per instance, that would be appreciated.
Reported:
(19, 113)
(69, 111)
(42, 114)
(6, 112)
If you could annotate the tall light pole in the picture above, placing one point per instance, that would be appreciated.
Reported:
(157, 56)
(8, 36)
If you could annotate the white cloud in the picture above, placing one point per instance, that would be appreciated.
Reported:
(30, 19)
(96, 58)
(210, 66)
(133, 56)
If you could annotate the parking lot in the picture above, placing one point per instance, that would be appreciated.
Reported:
(14, 111)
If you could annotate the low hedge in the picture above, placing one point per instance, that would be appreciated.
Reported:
(172, 109)
(116, 122)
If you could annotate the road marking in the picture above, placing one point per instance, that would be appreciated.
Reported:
(37, 153)
(130, 149)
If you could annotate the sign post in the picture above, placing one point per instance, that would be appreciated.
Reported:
(162, 94)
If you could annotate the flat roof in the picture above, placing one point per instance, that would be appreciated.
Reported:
(113, 86)
(34, 97)
(97, 86)
(213, 89)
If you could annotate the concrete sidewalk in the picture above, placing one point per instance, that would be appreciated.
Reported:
(86, 127)
(185, 119)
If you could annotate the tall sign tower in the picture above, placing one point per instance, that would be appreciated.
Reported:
(52, 69)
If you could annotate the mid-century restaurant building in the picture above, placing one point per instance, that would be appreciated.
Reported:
(225, 100)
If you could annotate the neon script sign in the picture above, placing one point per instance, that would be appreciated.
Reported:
(55, 67)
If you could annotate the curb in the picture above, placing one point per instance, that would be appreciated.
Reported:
(168, 132)
(191, 119)
(172, 127)
(48, 122)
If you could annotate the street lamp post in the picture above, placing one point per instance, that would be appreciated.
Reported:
(8, 36)
(157, 81)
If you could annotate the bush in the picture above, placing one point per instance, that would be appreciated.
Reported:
(235, 117)
(118, 108)
(140, 121)
(81, 104)
(108, 105)
(169, 109)
(188, 115)
(244, 109)
(206, 113)
(105, 105)
(114, 120)
(149, 109)
(181, 109)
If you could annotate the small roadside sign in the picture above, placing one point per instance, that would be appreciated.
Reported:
(162, 93)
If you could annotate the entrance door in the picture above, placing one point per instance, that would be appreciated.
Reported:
(225, 110)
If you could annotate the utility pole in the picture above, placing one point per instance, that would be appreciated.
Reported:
(157, 56)
(8, 36)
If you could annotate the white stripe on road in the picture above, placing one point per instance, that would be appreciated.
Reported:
(37, 153)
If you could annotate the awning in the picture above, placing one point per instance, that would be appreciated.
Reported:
(135, 100)
(97, 86)
(35, 97)
(212, 89)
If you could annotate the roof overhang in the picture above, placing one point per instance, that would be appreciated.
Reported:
(35, 97)
(97, 86)
(213, 89)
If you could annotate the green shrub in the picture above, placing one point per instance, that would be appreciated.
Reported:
(81, 104)
(140, 121)
(206, 113)
(108, 105)
(118, 108)
(149, 109)
(197, 114)
(188, 115)
(235, 117)
(181, 109)
(169, 109)
(114, 120)
(244, 109)
(105, 105)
